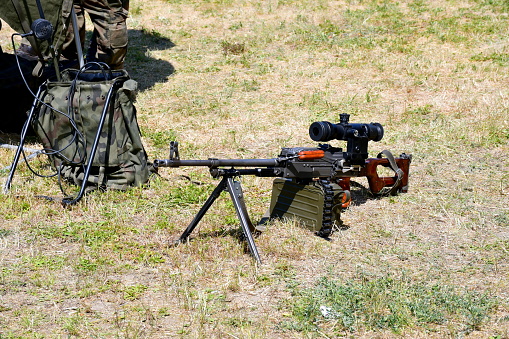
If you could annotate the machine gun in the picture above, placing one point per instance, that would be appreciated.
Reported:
(312, 184)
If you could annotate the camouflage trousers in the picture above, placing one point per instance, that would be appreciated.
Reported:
(109, 38)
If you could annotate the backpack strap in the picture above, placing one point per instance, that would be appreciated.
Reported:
(33, 42)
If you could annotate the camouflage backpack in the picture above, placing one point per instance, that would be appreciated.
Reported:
(67, 124)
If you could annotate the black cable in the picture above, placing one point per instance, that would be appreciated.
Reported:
(77, 138)
(39, 7)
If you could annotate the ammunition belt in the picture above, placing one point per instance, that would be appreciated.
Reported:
(328, 203)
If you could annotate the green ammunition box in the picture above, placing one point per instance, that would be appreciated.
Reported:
(305, 202)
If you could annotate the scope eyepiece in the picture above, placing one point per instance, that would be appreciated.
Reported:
(326, 131)
(374, 130)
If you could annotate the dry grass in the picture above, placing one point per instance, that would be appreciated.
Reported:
(241, 79)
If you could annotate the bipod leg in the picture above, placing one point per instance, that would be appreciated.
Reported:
(213, 196)
(237, 196)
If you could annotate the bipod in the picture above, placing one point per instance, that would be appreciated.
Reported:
(228, 183)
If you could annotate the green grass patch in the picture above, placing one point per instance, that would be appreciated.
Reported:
(93, 234)
(188, 194)
(161, 139)
(134, 292)
(388, 302)
(501, 59)
(45, 262)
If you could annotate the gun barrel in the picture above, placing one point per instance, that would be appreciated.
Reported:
(214, 163)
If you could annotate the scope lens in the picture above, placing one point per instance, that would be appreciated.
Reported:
(325, 131)
(320, 131)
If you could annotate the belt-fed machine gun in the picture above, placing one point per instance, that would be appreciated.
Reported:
(313, 183)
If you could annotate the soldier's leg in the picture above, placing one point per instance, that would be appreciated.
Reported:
(68, 50)
(109, 39)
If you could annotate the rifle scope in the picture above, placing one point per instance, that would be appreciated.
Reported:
(326, 131)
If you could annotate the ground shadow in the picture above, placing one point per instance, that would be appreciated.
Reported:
(233, 232)
(143, 68)
(16, 99)
(360, 194)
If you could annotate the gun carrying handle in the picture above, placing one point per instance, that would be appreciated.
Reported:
(309, 155)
